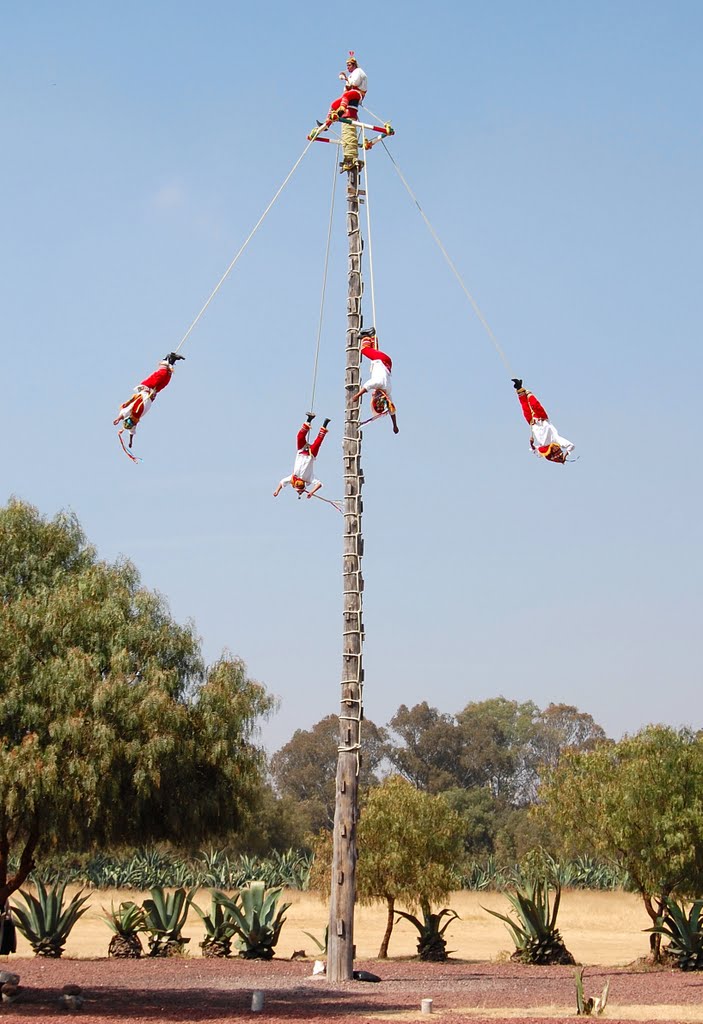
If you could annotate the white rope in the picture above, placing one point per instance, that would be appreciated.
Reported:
(452, 267)
(324, 285)
(375, 116)
(335, 504)
(368, 233)
(246, 242)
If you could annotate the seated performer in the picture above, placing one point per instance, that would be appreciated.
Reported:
(379, 382)
(304, 467)
(139, 404)
(345, 106)
(545, 440)
(355, 77)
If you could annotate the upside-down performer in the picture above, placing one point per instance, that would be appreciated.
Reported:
(304, 467)
(132, 411)
(379, 383)
(545, 439)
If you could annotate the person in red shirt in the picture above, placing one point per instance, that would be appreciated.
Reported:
(131, 412)
(379, 383)
(544, 439)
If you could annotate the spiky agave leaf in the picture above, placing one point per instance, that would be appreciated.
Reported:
(685, 933)
(536, 937)
(45, 923)
(166, 914)
(258, 920)
(431, 944)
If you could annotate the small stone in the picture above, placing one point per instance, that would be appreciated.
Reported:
(10, 993)
(7, 978)
(70, 1003)
(71, 990)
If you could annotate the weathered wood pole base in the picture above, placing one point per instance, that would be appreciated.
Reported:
(340, 948)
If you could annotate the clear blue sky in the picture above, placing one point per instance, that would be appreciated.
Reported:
(557, 149)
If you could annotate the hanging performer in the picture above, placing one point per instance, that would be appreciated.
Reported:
(304, 467)
(132, 411)
(545, 440)
(379, 383)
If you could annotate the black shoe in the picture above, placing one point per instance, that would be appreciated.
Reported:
(325, 423)
(517, 383)
(318, 123)
(310, 416)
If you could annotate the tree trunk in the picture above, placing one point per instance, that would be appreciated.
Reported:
(655, 939)
(12, 884)
(383, 951)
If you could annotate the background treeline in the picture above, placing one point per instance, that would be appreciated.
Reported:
(487, 761)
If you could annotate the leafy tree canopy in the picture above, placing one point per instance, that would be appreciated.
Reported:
(305, 768)
(638, 803)
(111, 727)
(409, 847)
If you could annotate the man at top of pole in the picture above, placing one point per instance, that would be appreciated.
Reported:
(346, 108)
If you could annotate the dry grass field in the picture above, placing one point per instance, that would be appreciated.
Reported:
(479, 985)
(599, 928)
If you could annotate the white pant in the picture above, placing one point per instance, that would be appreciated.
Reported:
(380, 378)
(545, 433)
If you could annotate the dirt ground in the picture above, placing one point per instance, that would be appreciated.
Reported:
(603, 930)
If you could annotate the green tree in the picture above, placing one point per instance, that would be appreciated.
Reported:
(563, 727)
(112, 730)
(429, 749)
(410, 849)
(305, 768)
(639, 804)
(499, 747)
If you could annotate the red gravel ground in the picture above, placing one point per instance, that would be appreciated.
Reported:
(208, 991)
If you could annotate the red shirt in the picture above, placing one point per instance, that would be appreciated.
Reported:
(158, 379)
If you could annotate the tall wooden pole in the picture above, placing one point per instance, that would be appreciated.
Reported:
(340, 948)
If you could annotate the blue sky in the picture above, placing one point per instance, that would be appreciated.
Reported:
(557, 150)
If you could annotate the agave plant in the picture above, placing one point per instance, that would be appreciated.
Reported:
(126, 922)
(431, 944)
(588, 1005)
(257, 919)
(219, 927)
(322, 946)
(684, 932)
(46, 923)
(165, 915)
(536, 937)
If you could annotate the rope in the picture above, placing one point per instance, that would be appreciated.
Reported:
(452, 267)
(329, 501)
(368, 234)
(324, 285)
(246, 243)
(381, 120)
(134, 458)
